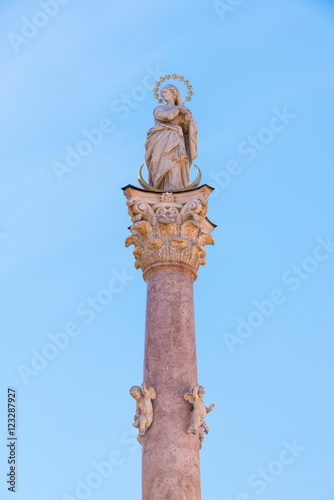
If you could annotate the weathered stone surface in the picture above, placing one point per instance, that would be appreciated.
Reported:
(169, 232)
(170, 464)
(169, 227)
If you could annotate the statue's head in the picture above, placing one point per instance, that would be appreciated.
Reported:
(201, 392)
(170, 88)
(136, 392)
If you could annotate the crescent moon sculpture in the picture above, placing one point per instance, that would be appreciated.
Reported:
(148, 187)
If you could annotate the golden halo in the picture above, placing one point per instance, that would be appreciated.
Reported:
(172, 77)
(148, 187)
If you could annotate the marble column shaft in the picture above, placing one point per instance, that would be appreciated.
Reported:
(169, 232)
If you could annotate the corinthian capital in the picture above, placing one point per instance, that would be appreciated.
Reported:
(169, 228)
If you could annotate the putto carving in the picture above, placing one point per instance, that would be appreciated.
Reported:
(199, 413)
(144, 408)
(169, 227)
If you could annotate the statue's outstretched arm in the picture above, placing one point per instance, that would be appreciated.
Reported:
(211, 407)
(195, 392)
(145, 390)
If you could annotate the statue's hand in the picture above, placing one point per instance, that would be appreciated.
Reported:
(195, 391)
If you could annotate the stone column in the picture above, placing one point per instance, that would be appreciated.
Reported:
(170, 231)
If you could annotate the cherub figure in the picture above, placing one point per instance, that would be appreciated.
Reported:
(144, 408)
(199, 412)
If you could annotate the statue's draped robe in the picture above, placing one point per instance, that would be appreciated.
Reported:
(171, 148)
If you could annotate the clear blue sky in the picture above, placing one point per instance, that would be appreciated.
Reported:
(263, 77)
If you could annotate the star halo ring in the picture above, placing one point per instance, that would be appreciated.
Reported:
(172, 77)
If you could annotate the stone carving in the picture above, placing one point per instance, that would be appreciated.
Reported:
(171, 145)
(144, 408)
(169, 227)
(199, 413)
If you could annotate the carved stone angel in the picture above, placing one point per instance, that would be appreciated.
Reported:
(171, 145)
(144, 408)
(199, 412)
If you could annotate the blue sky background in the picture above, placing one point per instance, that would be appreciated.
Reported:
(62, 238)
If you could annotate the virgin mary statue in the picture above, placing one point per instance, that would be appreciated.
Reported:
(171, 145)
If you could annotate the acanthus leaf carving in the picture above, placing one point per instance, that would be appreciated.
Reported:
(169, 227)
(131, 240)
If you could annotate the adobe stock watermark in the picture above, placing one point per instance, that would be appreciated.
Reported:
(259, 481)
(93, 138)
(39, 20)
(226, 7)
(102, 471)
(293, 277)
(250, 148)
(87, 309)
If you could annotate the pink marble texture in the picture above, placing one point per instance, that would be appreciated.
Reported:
(170, 460)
